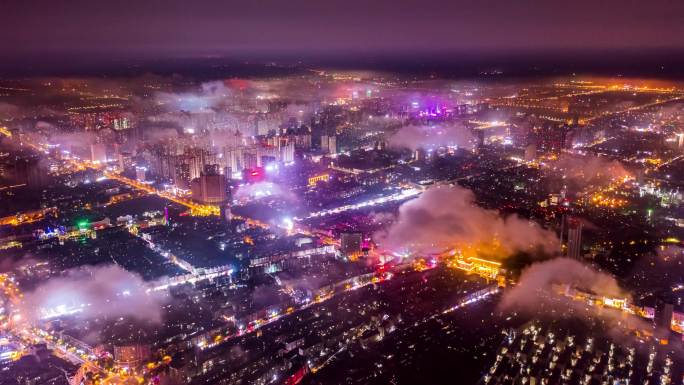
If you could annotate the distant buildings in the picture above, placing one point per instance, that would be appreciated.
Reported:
(180, 165)
(550, 138)
(329, 144)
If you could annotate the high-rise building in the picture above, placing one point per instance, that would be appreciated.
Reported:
(210, 187)
(332, 144)
(197, 159)
(169, 162)
(324, 143)
(574, 238)
(350, 243)
(162, 160)
(140, 173)
(181, 175)
(251, 160)
(287, 152)
(663, 314)
(480, 135)
(302, 138)
(31, 172)
(226, 214)
(329, 144)
(233, 158)
(551, 138)
(131, 356)
(419, 154)
(98, 153)
(530, 152)
(120, 163)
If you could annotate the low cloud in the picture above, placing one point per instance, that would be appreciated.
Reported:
(95, 292)
(539, 293)
(263, 190)
(446, 217)
(70, 140)
(430, 137)
(208, 97)
(590, 169)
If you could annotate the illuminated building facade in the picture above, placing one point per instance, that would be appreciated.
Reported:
(131, 356)
(481, 267)
(318, 178)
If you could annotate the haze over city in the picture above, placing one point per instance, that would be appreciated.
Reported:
(440, 192)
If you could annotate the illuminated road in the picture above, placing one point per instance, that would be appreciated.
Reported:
(635, 108)
(26, 217)
(195, 208)
(169, 256)
(68, 348)
(396, 197)
(528, 103)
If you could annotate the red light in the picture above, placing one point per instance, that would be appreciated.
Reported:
(255, 173)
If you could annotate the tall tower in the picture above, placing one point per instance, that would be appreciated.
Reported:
(574, 238)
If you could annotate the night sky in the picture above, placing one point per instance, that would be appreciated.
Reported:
(77, 30)
(216, 26)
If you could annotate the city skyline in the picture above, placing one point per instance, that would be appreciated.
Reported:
(341, 193)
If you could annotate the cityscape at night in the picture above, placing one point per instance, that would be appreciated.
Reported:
(341, 193)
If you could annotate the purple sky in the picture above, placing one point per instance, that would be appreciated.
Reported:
(330, 26)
